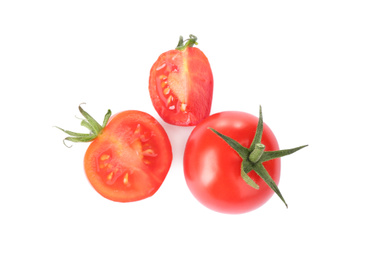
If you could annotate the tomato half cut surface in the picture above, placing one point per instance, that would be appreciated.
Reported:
(130, 159)
(181, 85)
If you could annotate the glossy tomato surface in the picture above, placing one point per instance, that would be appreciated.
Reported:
(181, 86)
(213, 169)
(130, 159)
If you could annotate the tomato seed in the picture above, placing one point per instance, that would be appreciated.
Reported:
(166, 91)
(104, 157)
(161, 66)
(103, 165)
(170, 99)
(163, 77)
(126, 178)
(145, 161)
(137, 129)
(109, 176)
(183, 107)
(149, 152)
(164, 83)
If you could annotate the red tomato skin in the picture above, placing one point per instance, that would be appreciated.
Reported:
(181, 86)
(121, 145)
(213, 169)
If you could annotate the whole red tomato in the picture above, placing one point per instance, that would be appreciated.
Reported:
(217, 167)
(181, 84)
(129, 156)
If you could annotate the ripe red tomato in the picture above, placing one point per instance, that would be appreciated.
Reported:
(129, 158)
(213, 168)
(181, 85)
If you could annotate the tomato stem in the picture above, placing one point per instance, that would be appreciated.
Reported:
(189, 43)
(256, 154)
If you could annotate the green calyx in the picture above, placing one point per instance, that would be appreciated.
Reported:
(183, 44)
(90, 123)
(253, 157)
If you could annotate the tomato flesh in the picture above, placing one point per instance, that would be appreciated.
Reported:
(213, 169)
(130, 159)
(181, 86)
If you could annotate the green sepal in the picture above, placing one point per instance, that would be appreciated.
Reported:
(106, 118)
(180, 43)
(270, 155)
(91, 124)
(189, 42)
(95, 127)
(87, 125)
(73, 133)
(242, 151)
(263, 173)
(254, 156)
(245, 177)
(259, 131)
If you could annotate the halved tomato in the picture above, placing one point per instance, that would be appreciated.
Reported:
(129, 157)
(181, 85)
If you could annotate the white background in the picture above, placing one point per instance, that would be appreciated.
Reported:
(305, 62)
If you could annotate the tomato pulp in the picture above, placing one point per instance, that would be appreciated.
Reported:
(130, 158)
(213, 169)
(181, 85)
